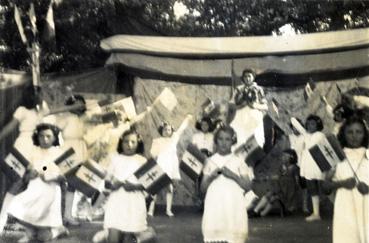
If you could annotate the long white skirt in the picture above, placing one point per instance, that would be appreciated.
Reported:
(39, 204)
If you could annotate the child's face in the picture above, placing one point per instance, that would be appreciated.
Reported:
(167, 131)
(338, 115)
(248, 78)
(224, 143)
(46, 138)
(129, 144)
(204, 126)
(354, 135)
(311, 126)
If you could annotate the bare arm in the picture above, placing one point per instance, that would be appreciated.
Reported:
(243, 181)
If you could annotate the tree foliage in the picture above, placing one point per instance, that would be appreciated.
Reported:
(80, 25)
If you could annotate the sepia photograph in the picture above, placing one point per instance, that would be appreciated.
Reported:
(184, 121)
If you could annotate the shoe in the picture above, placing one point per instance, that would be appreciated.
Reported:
(24, 239)
(60, 232)
(312, 218)
(100, 236)
(170, 214)
(72, 222)
(150, 214)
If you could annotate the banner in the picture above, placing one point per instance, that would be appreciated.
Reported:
(67, 162)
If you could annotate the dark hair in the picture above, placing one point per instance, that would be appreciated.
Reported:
(71, 100)
(248, 70)
(227, 129)
(32, 97)
(161, 127)
(318, 121)
(208, 121)
(345, 111)
(140, 145)
(293, 155)
(341, 134)
(46, 126)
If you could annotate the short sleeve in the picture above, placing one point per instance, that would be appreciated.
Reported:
(20, 113)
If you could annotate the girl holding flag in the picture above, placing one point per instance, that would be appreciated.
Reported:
(351, 179)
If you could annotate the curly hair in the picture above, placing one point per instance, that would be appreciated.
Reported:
(226, 129)
(140, 145)
(208, 121)
(318, 121)
(71, 100)
(162, 125)
(45, 126)
(341, 134)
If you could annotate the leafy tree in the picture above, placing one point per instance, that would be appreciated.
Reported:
(80, 25)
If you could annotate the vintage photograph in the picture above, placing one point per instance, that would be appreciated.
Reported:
(184, 121)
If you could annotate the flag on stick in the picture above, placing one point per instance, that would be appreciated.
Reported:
(167, 99)
(49, 29)
(251, 149)
(14, 165)
(192, 162)
(327, 153)
(67, 163)
(88, 179)
(18, 21)
(152, 177)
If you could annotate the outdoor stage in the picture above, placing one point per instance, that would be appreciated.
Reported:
(185, 227)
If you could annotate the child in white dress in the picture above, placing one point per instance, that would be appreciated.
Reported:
(226, 180)
(351, 179)
(38, 208)
(125, 210)
(164, 150)
(204, 139)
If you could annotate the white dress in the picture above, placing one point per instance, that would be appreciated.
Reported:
(40, 203)
(165, 150)
(297, 144)
(204, 141)
(351, 208)
(308, 167)
(28, 120)
(125, 211)
(248, 121)
(225, 214)
(73, 130)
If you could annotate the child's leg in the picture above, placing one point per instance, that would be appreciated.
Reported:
(313, 188)
(68, 215)
(152, 206)
(115, 236)
(169, 199)
(266, 209)
(263, 202)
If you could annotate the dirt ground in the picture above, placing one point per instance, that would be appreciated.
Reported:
(185, 227)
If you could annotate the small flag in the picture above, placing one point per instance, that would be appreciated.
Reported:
(88, 179)
(14, 165)
(49, 29)
(275, 107)
(209, 109)
(66, 162)
(327, 152)
(192, 162)
(32, 18)
(18, 21)
(251, 150)
(167, 99)
(125, 106)
(152, 177)
(308, 92)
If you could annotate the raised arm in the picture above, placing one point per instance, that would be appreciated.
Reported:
(9, 127)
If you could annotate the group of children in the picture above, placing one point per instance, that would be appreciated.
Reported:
(225, 180)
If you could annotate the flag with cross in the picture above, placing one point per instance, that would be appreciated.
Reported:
(88, 179)
(327, 152)
(251, 150)
(152, 177)
(67, 162)
(192, 162)
(14, 165)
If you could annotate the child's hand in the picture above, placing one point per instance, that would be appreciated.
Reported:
(32, 174)
(228, 173)
(363, 188)
(129, 187)
(349, 183)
